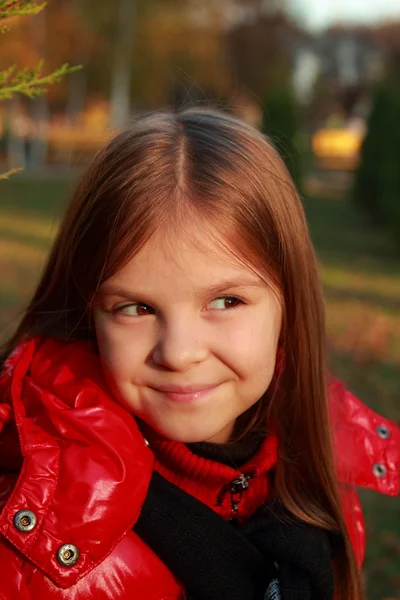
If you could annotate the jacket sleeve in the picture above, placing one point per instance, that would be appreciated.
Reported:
(367, 445)
(367, 454)
(10, 457)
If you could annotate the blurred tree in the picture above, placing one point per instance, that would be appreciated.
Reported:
(121, 72)
(260, 49)
(377, 182)
(63, 35)
(282, 123)
(147, 53)
(169, 45)
(81, 45)
(323, 102)
(185, 59)
(385, 35)
(29, 82)
(69, 36)
(39, 108)
(349, 65)
(25, 81)
(390, 179)
(368, 180)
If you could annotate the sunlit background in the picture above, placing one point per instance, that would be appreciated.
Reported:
(320, 77)
(317, 15)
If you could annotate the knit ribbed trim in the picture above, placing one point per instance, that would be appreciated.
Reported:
(231, 454)
(210, 481)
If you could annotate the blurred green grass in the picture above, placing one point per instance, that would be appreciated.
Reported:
(361, 277)
(360, 273)
(30, 210)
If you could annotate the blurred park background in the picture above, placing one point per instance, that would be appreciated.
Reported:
(322, 79)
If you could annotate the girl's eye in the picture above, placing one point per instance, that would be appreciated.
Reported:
(225, 302)
(134, 310)
(138, 310)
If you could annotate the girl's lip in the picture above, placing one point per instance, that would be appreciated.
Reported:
(191, 393)
(184, 389)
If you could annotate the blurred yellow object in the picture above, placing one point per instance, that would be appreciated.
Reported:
(76, 137)
(337, 148)
(77, 141)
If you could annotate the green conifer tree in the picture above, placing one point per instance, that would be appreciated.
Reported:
(282, 123)
(369, 177)
(377, 181)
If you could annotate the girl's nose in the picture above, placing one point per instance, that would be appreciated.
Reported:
(179, 346)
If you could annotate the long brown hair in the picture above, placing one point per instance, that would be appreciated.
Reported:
(169, 167)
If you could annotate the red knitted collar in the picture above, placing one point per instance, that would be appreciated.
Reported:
(232, 493)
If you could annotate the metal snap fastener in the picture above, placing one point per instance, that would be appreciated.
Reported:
(67, 555)
(383, 431)
(25, 520)
(379, 470)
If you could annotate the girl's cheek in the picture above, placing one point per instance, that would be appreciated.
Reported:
(257, 343)
(110, 343)
(251, 334)
(117, 353)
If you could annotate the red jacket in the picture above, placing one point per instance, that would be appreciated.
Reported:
(74, 462)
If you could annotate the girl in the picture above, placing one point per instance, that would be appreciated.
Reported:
(166, 430)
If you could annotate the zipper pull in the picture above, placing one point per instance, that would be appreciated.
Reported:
(241, 482)
(238, 486)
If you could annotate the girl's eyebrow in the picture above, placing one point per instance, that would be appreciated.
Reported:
(239, 282)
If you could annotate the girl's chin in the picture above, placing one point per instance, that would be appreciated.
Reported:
(191, 436)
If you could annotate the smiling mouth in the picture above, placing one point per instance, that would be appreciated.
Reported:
(182, 395)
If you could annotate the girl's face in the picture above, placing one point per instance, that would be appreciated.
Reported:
(187, 336)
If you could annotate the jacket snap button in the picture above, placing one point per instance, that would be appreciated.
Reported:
(379, 470)
(67, 555)
(25, 520)
(383, 431)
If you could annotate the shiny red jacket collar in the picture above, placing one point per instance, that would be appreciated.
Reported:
(70, 431)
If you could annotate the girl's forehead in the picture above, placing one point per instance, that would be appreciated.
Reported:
(192, 242)
(194, 253)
